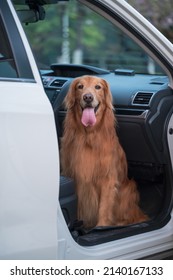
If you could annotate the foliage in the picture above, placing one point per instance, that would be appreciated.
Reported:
(159, 13)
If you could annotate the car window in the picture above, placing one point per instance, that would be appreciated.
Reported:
(73, 33)
(7, 64)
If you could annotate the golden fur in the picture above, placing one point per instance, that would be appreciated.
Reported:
(94, 158)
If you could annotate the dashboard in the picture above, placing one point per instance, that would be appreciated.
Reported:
(128, 89)
(142, 103)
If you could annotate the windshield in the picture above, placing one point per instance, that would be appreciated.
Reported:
(73, 33)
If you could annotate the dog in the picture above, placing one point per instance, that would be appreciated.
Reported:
(92, 155)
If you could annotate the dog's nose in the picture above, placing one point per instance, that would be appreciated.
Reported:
(88, 98)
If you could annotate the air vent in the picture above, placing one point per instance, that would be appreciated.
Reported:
(142, 98)
(58, 83)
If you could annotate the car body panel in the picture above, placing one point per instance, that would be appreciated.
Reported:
(135, 247)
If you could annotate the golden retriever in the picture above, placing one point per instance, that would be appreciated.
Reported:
(92, 155)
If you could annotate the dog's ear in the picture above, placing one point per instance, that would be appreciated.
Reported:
(69, 100)
(108, 95)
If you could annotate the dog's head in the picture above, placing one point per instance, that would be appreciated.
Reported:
(91, 96)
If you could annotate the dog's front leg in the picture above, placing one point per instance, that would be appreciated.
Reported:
(87, 204)
(107, 205)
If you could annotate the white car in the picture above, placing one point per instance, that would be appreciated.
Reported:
(109, 39)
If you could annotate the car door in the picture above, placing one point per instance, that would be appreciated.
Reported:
(29, 159)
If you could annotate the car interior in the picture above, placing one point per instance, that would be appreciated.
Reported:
(142, 106)
(143, 103)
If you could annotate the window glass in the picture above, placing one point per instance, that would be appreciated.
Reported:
(7, 65)
(73, 33)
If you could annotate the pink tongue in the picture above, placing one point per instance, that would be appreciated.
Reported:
(88, 117)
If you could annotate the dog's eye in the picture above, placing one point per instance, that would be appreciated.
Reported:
(97, 87)
(80, 86)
